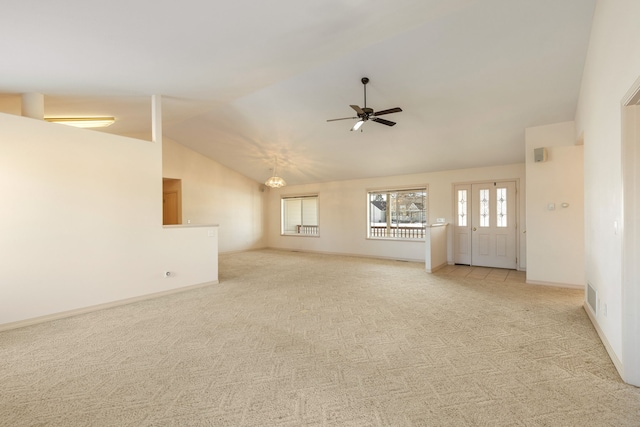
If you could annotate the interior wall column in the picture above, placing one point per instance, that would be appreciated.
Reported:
(33, 105)
(156, 118)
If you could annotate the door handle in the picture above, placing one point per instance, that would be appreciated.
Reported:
(474, 229)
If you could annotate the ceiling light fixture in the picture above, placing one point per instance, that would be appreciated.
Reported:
(357, 125)
(83, 122)
(275, 181)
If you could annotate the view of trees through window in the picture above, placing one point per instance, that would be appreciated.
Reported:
(398, 213)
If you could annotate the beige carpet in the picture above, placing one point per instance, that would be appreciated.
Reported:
(293, 339)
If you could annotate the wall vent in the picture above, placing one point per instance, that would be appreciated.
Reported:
(592, 297)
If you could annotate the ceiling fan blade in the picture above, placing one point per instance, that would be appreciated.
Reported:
(344, 118)
(383, 121)
(389, 111)
(358, 109)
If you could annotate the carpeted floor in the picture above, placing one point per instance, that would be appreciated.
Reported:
(294, 339)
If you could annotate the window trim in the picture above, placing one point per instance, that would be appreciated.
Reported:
(299, 196)
(393, 189)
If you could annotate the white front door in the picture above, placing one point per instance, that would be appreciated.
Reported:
(485, 229)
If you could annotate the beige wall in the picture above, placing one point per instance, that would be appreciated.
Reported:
(343, 216)
(612, 67)
(555, 237)
(11, 104)
(81, 222)
(212, 193)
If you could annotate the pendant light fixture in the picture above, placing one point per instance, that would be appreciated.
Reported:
(275, 181)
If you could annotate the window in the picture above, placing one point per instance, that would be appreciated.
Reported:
(462, 208)
(484, 208)
(400, 214)
(501, 208)
(300, 215)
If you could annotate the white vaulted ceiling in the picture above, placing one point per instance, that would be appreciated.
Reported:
(244, 81)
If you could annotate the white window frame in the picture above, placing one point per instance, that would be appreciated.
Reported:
(397, 232)
(301, 229)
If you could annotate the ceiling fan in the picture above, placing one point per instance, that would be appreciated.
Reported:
(366, 113)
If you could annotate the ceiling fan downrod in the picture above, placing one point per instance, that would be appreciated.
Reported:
(364, 81)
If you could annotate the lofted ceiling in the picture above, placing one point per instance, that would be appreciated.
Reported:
(246, 81)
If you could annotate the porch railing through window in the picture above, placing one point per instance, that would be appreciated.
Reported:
(307, 229)
(408, 232)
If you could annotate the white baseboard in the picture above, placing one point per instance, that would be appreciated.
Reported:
(555, 285)
(436, 268)
(83, 310)
(612, 355)
(348, 255)
(239, 251)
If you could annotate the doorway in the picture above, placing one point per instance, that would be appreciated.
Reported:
(171, 201)
(485, 227)
(630, 323)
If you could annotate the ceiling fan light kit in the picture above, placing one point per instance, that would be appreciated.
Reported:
(365, 113)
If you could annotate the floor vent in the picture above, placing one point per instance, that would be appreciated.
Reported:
(592, 297)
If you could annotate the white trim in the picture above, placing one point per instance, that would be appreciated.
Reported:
(368, 191)
(418, 187)
(84, 310)
(284, 198)
(519, 227)
(189, 225)
(299, 195)
(554, 284)
(304, 196)
(398, 239)
(239, 251)
(436, 268)
(156, 118)
(344, 254)
(630, 165)
(612, 355)
(632, 97)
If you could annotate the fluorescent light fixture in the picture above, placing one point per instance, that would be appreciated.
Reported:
(357, 125)
(83, 122)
